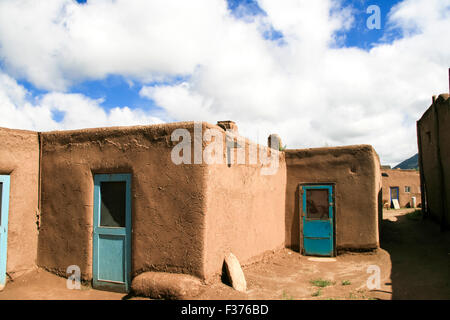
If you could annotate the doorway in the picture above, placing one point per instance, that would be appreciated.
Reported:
(4, 212)
(318, 220)
(394, 191)
(112, 232)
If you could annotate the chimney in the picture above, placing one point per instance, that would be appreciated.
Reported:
(274, 142)
(228, 125)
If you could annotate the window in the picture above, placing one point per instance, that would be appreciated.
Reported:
(317, 204)
(112, 212)
(407, 189)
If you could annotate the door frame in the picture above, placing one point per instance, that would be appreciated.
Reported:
(97, 230)
(5, 180)
(390, 195)
(317, 185)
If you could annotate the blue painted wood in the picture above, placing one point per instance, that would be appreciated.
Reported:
(111, 258)
(111, 245)
(318, 247)
(318, 234)
(4, 211)
(318, 229)
(398, 193)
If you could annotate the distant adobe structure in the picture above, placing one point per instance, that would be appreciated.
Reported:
(403, 185)
(433, 136)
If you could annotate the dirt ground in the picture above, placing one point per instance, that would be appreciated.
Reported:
(414, 263)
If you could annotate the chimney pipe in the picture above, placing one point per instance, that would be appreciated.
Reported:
(228, 125)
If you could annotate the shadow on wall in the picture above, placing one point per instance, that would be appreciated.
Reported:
(380, 212)
(420, 258)
(296, 235)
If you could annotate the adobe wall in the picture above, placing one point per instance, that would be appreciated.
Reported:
(433, 131)
(244, 211)
(443, 109)
(19, 158)
(167, 200)
(401, 178)
(355, 170)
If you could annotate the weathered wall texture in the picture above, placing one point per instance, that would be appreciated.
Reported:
(355, 170)
(187, 217)
(401, 178)
(19, 158)
(433, 133)
(244, 210)
(167, 200)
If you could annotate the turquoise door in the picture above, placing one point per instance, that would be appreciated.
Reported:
(394, 193)
(317, 204)
(112, 232)
(4, 209)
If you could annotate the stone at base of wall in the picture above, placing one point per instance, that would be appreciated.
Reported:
(262, 257)
(163, 285)
(235, 273)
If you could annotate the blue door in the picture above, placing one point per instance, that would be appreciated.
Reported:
(394, 194)
(112, 232)
(4, 209)
(317, 204)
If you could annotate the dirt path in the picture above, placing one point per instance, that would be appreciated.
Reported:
(420, 256)
(414, 262)
(42, 285)
(291, 276)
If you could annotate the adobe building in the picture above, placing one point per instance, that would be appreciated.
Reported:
(176, 198)
(353, 177)
(433, 136)
(402, 185)
(19, 192)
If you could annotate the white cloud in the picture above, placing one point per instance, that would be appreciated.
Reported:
(55, 42)
(20, 110)
(308, 90)
(314, 94)
(419, 16)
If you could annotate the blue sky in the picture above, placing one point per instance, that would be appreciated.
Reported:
(359, 35)
(116, 90)
(310, 71)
